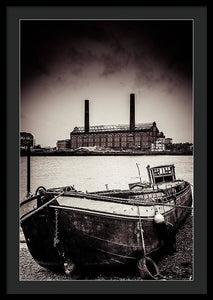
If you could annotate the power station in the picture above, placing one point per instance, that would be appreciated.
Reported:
(119, 137)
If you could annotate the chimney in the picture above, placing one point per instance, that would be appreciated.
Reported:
(132, 112)
(86, 116)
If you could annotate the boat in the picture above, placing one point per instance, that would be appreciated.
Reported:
(65, 228)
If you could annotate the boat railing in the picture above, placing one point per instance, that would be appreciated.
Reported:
(176, 194)
(132, 201)
(30, 199)
(31, 213)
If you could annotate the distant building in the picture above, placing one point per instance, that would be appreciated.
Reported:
(63, 144)
(158, 145)
(119, 137)
(182, 147)
(25, 139)
(168, 141)
(48, 149)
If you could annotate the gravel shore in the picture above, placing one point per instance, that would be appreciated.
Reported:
(176, 266)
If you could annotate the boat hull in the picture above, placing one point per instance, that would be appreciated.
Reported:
(59, 233)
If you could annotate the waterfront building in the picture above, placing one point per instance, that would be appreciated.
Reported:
(158, 145)
(182, 147)
(26, 139)
(168, 141)
(63, 144)
(119, 137)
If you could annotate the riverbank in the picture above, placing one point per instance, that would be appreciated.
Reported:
(175, 266)
(96, 153)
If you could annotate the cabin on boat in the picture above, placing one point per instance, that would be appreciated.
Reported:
(161, 174)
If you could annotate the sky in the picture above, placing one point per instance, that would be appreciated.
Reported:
(62, 63)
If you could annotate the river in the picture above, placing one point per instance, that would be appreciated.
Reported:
(91, 173)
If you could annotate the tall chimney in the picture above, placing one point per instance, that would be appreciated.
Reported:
(132, 112)
(86, 116)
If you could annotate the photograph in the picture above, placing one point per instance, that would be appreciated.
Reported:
(106, 149)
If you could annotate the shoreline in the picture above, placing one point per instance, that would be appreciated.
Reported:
(69, 153)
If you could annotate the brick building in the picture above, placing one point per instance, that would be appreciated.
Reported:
(118, 137)
(63, 144)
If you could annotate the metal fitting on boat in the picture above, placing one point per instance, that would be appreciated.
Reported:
(159, 218)
(40, 190)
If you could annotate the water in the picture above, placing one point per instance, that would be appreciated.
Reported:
(92, 173)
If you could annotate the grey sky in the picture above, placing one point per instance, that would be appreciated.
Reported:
(64, 63)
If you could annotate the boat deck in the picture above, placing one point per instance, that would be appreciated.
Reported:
(144, 203)
(166, 185)
(127, 209)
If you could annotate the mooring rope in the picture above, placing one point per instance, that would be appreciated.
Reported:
(142, 231)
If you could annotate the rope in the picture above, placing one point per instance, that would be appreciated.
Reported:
(116, 254)
(142, 231)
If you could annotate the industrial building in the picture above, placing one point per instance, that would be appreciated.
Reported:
(63, 144)
(132, 136)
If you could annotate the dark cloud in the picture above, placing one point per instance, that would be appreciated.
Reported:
(146, 46)
(114, 62)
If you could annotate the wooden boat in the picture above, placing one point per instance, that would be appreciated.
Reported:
(65, 228)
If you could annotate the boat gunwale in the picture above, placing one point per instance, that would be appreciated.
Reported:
(115, 200)
(130, 201)
(107, 214)
(29, 199)
(113, 215)
(151, 204)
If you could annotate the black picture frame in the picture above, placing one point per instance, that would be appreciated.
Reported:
(13, 12)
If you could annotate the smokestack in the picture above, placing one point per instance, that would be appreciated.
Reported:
(132, 112)
(86, 119)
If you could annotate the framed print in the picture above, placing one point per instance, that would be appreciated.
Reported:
(106, 109)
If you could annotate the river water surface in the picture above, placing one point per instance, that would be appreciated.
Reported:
(92, 173)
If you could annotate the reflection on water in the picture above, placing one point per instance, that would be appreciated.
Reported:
(91, 173)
